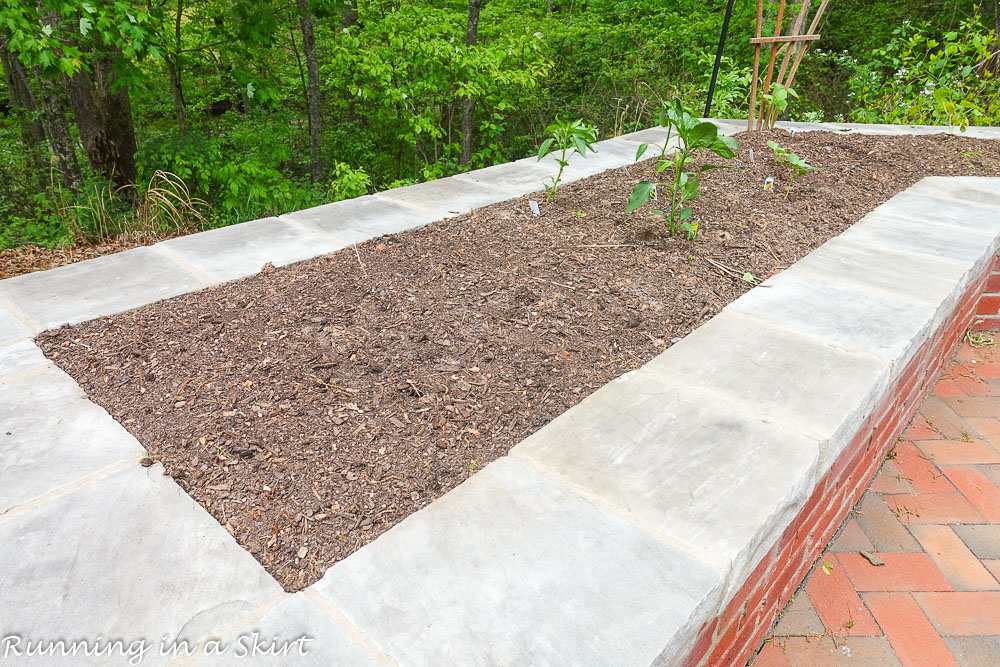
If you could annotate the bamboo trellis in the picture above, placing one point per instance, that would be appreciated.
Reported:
(796, 42)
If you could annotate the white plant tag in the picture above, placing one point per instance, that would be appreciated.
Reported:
(533, 205)
(769, 183)
(751, 157)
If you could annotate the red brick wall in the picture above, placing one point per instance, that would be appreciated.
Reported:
(734, 636)
(989, 305)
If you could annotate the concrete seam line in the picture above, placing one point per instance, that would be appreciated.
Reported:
(229, 630)
(18, 315)
(378, 196)
(26, 374)
(353, 631)
(722, 566)
(70, 487)
(185, 265)
(321, 233)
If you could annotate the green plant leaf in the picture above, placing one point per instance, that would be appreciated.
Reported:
(642, 149)
(640, 195)
(703, 135)
(685, 214)
(545, 148)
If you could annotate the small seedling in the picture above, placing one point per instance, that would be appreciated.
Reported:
(778, 100)
(567, 138)
(696, 138)
(580, 214)
(797, 165)
(827, 569)
(750, 278)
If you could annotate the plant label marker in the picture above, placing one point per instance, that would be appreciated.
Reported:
(533, 205)
(769, 184)
(625, 169)
(752, 161)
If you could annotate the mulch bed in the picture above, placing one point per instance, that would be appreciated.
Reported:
(311, 408)
(30, 258)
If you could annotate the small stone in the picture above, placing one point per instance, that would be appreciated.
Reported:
(146, 461)
(872, 558)
(302, 552)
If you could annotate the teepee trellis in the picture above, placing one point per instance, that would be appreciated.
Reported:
(796, 42)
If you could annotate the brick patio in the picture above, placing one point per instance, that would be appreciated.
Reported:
(932, 516)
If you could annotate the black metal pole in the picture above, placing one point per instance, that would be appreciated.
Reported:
(718, 59)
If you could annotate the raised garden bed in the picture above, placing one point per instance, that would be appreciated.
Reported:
(311, 408)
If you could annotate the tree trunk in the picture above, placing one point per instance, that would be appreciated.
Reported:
(174, 71)
(176, 93)
(104, 119)
(23, 100)
(348, 14)
(57, 131)
(469, 103)
(314, 110)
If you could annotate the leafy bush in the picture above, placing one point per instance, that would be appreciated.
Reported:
(923, 79)
(349, 183)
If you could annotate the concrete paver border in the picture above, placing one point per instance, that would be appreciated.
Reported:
(759, 442)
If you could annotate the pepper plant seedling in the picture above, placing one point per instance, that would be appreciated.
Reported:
(567, 138)
(695, 138)
(797, 165)
(778, 100)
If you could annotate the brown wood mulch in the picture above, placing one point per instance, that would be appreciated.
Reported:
(28, 259)
(311, 408)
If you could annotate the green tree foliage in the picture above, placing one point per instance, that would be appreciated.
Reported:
(222, 94)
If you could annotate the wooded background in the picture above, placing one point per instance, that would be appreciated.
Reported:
(254, 107)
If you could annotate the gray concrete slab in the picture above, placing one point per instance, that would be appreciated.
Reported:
(886, 129)
(900, 275)
(845, 315)
(796, 126)
(130, 556)
(16, 358)
(241, 250)
(357, 220)
(801, 381)
(445, 197)
(515, 178)
(12, 328)
(98, 287)
(51, 435)
(971, 189)
(972, 248)
(295, 632)
(664, 455)
(653, 135)
(979, 132)
(971, 215)
(511, 568)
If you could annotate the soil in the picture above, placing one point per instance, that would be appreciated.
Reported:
(311, 408)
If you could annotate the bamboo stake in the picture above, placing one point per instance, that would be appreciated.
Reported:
(794, 37)
(770, 63)
(756, 65)
(805, 45)
(796, 31)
